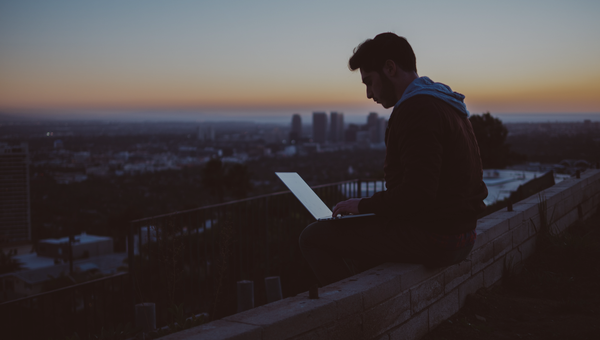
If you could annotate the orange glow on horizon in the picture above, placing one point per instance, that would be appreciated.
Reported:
(524, 96)
(550, 98)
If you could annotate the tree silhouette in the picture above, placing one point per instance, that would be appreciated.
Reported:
(7, 263)
(213, 178)
(222, 180)
(237, 180)
(491, 137)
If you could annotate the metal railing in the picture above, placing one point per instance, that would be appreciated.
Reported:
(82, 308)
(195, 257)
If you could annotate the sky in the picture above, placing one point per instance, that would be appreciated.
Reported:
(200, 59)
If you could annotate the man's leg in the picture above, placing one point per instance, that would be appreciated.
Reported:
(315, 244)
(363, 240)
(367, 242)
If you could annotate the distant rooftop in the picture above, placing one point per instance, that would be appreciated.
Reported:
(83, 238)
(501, 183)
(106, 264)
(33, 261)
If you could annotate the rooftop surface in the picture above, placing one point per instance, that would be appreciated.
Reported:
(107, 264)
(83, 238)
(501, 183)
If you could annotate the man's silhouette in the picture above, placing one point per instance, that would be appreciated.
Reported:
(434, 187)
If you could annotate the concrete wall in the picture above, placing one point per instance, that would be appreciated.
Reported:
(402, 301)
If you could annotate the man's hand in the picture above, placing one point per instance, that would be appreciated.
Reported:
(346, 207)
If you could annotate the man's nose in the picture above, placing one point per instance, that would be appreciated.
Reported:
(369, 93)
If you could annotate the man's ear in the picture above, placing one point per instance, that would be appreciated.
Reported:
(389, 68)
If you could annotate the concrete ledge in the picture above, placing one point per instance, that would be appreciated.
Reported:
(402, 301)
(288, 317)
(219, 329)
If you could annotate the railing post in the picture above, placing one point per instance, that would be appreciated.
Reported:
(267, 235)
(130, 246)
(359, 188)
(245, 295)
(145, 316)
(273, 288)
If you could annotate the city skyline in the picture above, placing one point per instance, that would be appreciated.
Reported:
(273, 59)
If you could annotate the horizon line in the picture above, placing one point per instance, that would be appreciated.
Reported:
(507, 117)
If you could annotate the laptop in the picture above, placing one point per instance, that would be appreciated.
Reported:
(309, 199)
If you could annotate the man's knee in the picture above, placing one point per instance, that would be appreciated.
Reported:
(313, 235)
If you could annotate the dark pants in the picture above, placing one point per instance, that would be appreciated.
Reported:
(337, 249)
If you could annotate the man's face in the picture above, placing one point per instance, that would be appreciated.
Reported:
(379, 88)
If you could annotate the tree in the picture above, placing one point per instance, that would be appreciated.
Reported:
(213, 178)
(237, 180)
(220, 179)
(7, 263)
(491, 137)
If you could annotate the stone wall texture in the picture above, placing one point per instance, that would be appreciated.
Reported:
(405, 301)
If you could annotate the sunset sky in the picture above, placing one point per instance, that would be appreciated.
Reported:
(236, 58)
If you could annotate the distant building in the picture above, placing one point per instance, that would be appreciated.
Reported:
(381, 127)
(363, 137)
(319, 124)
(350, 133)
(373, 127)
(83, 246)
(571, 166)
(372, 119)
(296, 131)
(289, 150)
(98, 171)
(310, 148)
(58, 144)
(336, 132)
(376, 127)
(81, 157)
(39, 270)
(15, 220)
(122, 156)
(207, 135)
(501, 183)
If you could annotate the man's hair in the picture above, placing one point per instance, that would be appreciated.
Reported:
(371, 54)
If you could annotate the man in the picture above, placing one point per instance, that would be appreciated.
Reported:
(434, 187)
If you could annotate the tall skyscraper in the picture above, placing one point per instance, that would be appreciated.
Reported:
(372, 119)
(373, 127)
(350, 133)
(336, 132)
(296, 132)
(376, 127)
(207, 135)
(381, 129)
(15, 221)
(319, 125)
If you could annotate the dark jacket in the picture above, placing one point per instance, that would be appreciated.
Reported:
(432, 169)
